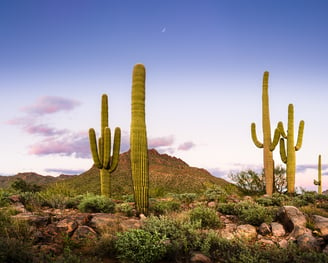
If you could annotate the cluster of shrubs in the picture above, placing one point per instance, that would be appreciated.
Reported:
(178, 225)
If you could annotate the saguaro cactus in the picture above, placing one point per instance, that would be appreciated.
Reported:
(101, 155)
(138, 141)
(268, 145)
(289, 158)
(319, 182)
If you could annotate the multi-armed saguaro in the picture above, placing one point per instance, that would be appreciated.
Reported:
(138, 141)
(268, 145)
(319, 182)
(289, 158)
(102, 154)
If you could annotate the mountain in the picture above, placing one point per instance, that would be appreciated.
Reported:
(167, 174)
(31, 178)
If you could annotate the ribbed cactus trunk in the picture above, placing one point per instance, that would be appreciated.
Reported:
(290, 158)
(319, 182)
(101, 154)
(267, 145)
(138, 141)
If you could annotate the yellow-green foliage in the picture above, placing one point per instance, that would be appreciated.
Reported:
(101, 154)
(268, 144)
(138, 141)
(289, 158)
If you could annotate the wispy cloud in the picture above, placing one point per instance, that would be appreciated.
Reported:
(160, 141)
(50, 104)
(64, 171)
(75, 144)
(186, 146)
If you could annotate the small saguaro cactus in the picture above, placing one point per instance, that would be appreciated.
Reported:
(319, 182)
(268, 144)
(101, 154)
(289, 157)
(138, 141)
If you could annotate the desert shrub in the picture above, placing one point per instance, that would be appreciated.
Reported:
(31, 201)
(22, 186)
(4, 198)
(186, 198)
(57, 196)
(164, 207)
(311, 210)
(248, 212)
(216, 193)
(138, 245)
(182, 236)
(96, 204)
(128, 198)
(275, 200)
(15, 250)
(126, 209)
(249, 181)
(207, 217)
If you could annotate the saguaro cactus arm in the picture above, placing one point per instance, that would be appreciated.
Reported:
(300, 136)
(283, 154)
(254, 137)
(275, 141)
(116, 150)
(94, 149)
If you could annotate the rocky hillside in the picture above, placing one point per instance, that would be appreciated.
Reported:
(167, 174)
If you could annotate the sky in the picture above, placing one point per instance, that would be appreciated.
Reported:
(204, 66)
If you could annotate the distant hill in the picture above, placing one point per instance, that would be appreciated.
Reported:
(31, 178)
(167, 174)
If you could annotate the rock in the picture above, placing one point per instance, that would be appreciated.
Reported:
(321, 223)
(33, 220)
(200, 258)
(283, 243)
(67, 225)
(277, 229)
(84, 232)
(211, 204)
(264, 229)
(293, 220)
(325, 250)
(246, 231)
(308, 241)
(266, 242)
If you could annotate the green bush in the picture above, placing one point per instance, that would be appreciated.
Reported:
(126, 209)
(186, 198)
(96, 204)
(248, 212)
(137, 245)
(164, 207)
(182, 235)
(207, 217)
(57, 196)
(216, 193)
(4, 198)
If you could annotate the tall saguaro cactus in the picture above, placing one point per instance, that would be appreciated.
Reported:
(268, 144)
(101, 154)
(138, 141)
(319, 182)
(289, 158)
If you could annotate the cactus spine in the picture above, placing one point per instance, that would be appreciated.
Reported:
(268, 145)
(319, 182)
(138, 141)
(101, 154)
(289, 158)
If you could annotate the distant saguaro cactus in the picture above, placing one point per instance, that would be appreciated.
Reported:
(289, 158)
(319, 182)
(138, 141)
(268, 145)
(101, 155)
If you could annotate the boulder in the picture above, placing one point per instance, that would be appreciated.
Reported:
(246, 232)
(264, 229)
(278, 229)
(293, 220)
(200, 258)
(321, 223)
(308, 242)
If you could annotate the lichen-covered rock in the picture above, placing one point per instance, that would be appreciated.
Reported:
(278, 229)
(264, 229)
(321, 223)
(246, 232)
